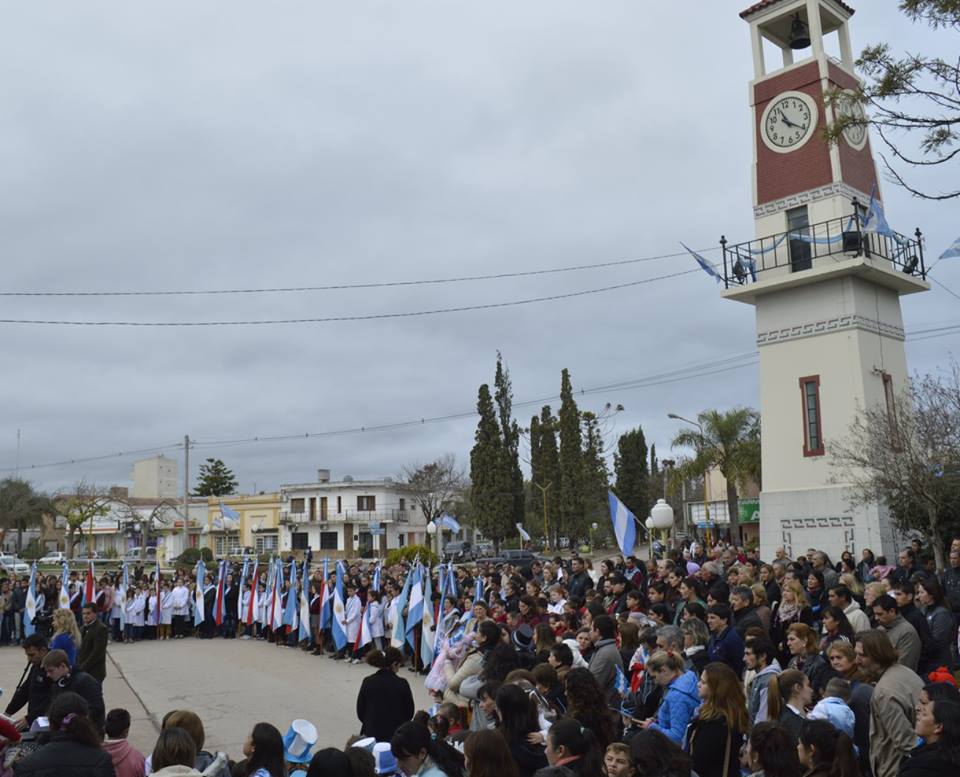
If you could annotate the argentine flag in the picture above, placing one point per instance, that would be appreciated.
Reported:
(375, 584)
(953, 250)
(198, 606)
(276, 604)
(251, 615)
(304, 632)
(64, 592)
(364, 635)
(339, 611)
(415, 608)
(621, 684)
(399, 630)
(429, 622)
(30, 608)
(449, 522)
(326, 600)
(624, 525)
(243, 579)
(122, 592)
(290, 611)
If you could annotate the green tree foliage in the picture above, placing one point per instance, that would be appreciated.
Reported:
(215, 479)
(545, 469)
(79, 508)
(632, 484)
(910, 96)
(656, 482)
(570, 508)
(595, 479)
(730, 442)
(21, 506)
(491, 495)
(510, 434)
(908, 456)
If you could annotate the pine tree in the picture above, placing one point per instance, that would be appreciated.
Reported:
(570, 469)
(490, 495)
(215, 479)
(632, 475)
(596, 478)
(544, 468)
(510, 435)
(656, 485)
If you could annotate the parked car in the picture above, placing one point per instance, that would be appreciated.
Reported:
(85, 555)
(458, 550)
(519, 558)
(141, 555)
(483, 548)
(13, 565)
(55, 557)
(241, 554)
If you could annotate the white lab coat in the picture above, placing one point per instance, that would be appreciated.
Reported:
(166, 608)
(135, 607)
(180, 600)
(352, 617)
(375, 616)
(152, 611)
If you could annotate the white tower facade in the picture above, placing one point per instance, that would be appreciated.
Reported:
(826, 288)
(154, 478)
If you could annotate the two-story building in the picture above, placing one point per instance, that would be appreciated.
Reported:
(257, 525)
(349, 518)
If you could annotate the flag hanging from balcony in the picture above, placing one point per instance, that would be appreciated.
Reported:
(704, 264)
(624, 525)
(875, 220)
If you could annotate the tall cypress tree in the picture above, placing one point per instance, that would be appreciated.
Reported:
(490, 496)
(632, 475)
(570, 497)
(655, 485)
(510, 435)
(596, 478)
(544, 468)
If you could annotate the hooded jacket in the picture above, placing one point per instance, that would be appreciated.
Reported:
(127, 762)
(757, 702)
(680, 701)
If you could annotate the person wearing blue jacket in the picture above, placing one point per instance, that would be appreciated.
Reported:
(680, 696)
(725, 644)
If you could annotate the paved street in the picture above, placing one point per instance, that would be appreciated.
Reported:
(230, 684)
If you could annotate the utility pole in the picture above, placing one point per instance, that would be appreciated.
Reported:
(546, 532)
(186, 491)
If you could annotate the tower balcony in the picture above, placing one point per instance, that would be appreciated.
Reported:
(817, 252)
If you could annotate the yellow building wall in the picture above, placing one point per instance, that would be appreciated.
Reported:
(257, 512)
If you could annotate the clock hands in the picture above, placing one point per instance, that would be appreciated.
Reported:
(785, 119)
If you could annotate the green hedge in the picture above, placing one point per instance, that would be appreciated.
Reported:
(409, 553)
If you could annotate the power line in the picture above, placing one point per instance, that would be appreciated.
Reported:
(343, 286)
(364, 317)
(695, 370)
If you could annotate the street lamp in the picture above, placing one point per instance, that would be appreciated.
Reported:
(432, 530)
(706, 474)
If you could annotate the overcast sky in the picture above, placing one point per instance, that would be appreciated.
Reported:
(246, 145)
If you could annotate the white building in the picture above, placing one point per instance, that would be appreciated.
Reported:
(155, 478)
(349, 517)
(826, 290)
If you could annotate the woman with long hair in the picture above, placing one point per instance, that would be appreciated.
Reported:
(816, 593)
(826, 752)
(486, 755)
(574, 746)
(943, 629)
(175, 754)
(843, 662)
(788, 696)
(656, 756)
(772, 751)
(543, 640)
(66, 635)
(805, 656)
(263, 749)
(73, 749)
(793, 608)
(691, 592)
(385, 699)
(418, 754)
(867, 562)
(518, 719)
(835, 627)
(586, 703)
(717, 731)
(938, 725)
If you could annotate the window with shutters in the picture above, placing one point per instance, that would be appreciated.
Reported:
(812, 422)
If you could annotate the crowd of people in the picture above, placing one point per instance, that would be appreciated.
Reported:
(707, 663)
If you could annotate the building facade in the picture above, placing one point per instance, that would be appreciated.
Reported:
(257, 528)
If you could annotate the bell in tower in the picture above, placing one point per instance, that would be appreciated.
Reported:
(825, 278)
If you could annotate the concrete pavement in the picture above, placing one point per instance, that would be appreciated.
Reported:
(231, 685)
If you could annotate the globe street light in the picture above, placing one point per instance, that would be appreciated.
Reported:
(432, 530)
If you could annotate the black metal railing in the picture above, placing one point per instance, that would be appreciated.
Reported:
(803, 248)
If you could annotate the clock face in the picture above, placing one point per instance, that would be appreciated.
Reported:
(854, 134)
(788, 121)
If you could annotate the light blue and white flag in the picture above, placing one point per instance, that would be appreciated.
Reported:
(478, 591)
(375, 583)
(523, 533)
(229, 512)
(875, 220)
(304, 632)
(30, 607)
(399, 625)
(64, 603)
(704, 264)
(624, 525)
(290, 611)
(276, 594)
(243, 579)
(428, 621)
(449, 522)
(198, 603)
(953, 250)
(452, 589)
(438, 639)
(326, 600)
(415, 608)
(122, 594)
(621, 684)
(339, 611)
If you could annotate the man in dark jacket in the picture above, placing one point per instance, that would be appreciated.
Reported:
(903, 594)
(725, 644)
(744, 613)
(58, 669)
(606, 658)
(34, 687)
(580, 581)
(92, 657)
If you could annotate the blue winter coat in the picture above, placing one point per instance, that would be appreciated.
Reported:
(680, 701)
(727, 646)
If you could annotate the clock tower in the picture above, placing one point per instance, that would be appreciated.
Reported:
(825, 283)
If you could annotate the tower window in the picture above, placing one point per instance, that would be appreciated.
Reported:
(798, 225)
(812, 425)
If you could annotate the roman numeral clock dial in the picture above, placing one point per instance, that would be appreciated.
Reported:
(788, 121)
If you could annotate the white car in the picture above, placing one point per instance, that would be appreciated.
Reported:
(56, 557)
(13, 565)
